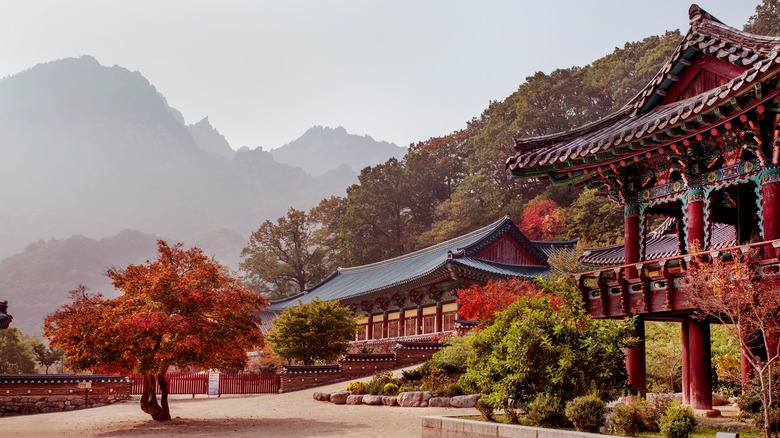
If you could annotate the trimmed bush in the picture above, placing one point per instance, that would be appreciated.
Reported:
(390, 389)
(655, 410)
(628, 416)
(678, 422)
(545, 410)
(356, 387)
(586, 412)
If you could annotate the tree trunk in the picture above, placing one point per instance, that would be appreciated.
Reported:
(164, 396)
(149, 398)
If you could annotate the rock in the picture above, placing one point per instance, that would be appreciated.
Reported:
(465, 401)
(322, 396)
(719, 400)
(355, 399)
(390, 400)
(414, 399)
(339, 398)
(439, 402)
(373, 400)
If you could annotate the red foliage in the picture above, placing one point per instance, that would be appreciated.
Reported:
(542, 220)
(482, 302)
(180, 309)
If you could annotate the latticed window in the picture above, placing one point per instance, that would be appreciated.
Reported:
(429, 324)
(392, 328)
(362, 333)
(448, 321)
(411, 326)
(377, 331)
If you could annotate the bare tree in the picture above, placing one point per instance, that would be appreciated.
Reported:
(728, 288)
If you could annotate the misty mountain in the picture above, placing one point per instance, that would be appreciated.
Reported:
(36, 281)
(321, 149)
(209, 139)
(92, 150)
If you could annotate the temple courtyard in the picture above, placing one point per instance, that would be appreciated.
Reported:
(294, 414)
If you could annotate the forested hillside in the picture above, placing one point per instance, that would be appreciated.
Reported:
(450, 185)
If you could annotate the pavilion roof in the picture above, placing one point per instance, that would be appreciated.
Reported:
(660, 243)
(648, 121)
(428, 265)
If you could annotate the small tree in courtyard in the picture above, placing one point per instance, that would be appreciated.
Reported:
(734, 294)
(318, 331)
(180, 309)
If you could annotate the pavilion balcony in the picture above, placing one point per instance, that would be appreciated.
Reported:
(659, 287)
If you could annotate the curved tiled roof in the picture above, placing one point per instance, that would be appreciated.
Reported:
(661, 243)
(429, 264)
(640, 117)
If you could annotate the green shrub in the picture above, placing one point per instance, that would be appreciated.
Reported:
(545, 410)
(628, 416)
(454, 357)
(655, 410)
(390, 388)
(452, 390)
(486, 408)
(357, 387)
(435, 381)
(414, 375)
(586, 412)
(377, 384)
(678, 422)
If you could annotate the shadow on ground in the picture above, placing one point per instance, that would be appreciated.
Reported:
(234, 427)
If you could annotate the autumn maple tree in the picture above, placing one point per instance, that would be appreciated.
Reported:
(542, 220)
(482, 302)
(180, 309)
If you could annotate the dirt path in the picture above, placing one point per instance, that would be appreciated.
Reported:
(295, 414)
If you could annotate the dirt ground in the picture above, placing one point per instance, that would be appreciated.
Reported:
(294, 414)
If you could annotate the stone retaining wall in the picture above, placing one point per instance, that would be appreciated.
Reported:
(453, 427)
(34, 395)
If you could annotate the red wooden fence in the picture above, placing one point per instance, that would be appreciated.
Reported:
(198, 383)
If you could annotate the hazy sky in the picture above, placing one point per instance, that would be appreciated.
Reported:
(398, 70)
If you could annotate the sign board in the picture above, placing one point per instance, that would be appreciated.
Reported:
(213, 383)
(85, 385)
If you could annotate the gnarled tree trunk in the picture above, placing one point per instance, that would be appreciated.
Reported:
(149, 397)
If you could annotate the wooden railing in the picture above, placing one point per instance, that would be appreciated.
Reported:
(198, 383)
(658, 286)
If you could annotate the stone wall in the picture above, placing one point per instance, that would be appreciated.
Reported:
(33, 394)
(453, 427)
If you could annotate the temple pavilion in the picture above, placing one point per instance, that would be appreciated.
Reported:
(697, 146)
(413, 297)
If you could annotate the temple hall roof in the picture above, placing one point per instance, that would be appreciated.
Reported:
(656, 116)
(431, 264)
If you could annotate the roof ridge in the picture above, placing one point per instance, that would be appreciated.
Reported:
(435, 247)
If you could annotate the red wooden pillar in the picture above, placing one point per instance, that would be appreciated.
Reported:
(418, 329)
(370, 331)
(635, 360)
(401, 322)
(632, 237)
(636, 356)
(385, 325)
(700, 364)
(744, 368)
(439, 321)
(694, 207)
(686, 366)
(770, 206)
